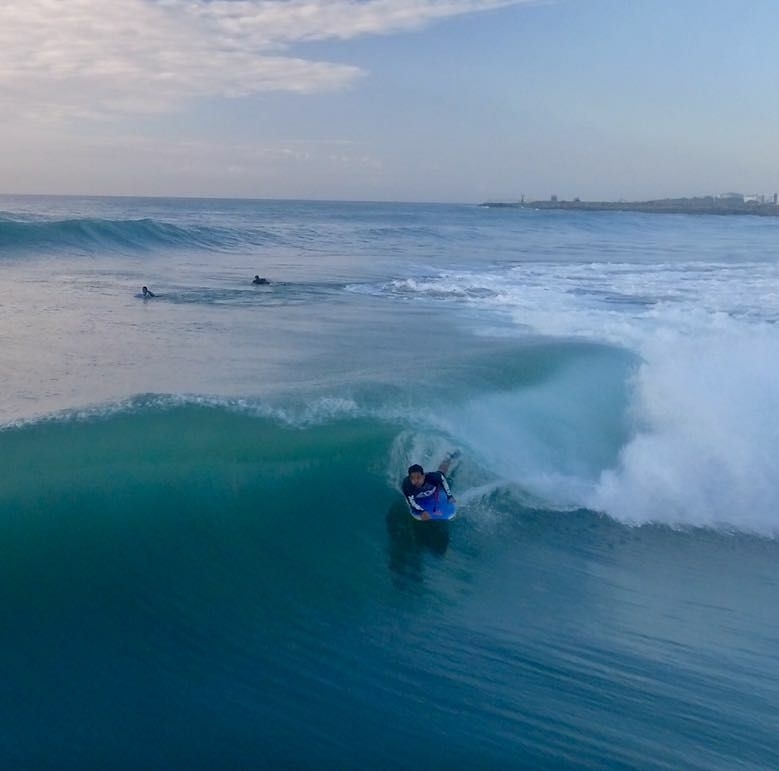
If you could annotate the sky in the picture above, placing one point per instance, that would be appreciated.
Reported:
(406, 100)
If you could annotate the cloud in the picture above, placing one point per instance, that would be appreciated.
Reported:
(91, 58)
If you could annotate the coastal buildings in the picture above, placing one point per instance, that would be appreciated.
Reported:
(760, 204)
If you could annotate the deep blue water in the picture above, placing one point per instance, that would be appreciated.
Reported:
(206, 559)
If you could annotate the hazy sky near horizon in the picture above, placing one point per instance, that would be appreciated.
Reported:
(428, 100)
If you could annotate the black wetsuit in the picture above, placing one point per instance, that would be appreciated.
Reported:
(433, 480)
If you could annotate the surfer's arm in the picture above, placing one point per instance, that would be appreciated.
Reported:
(442, 481)
(413, 505)
(415, 509)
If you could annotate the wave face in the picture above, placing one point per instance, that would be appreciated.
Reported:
(220, 581)
(170, 554)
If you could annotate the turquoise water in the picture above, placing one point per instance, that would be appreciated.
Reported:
(206, 559)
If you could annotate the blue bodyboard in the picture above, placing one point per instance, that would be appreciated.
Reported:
(437, 506)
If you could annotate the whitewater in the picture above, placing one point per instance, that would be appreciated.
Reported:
(207, 560)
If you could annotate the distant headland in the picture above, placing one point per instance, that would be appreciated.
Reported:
(729, 203)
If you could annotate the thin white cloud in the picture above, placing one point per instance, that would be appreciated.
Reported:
(269, 22)
(133, 164)
(97, 57)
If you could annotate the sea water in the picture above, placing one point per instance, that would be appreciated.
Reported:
(206, 559)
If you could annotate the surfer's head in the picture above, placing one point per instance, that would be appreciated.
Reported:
(416, 475)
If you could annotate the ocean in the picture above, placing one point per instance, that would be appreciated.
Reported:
(206, 559)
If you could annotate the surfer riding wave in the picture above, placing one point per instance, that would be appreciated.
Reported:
(422, 490)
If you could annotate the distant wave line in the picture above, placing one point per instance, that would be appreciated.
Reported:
(90, 234)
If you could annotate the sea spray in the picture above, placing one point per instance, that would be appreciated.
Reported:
(706, 425)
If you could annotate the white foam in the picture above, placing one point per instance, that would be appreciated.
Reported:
(428, 448)
(706, 411)
(617, 302)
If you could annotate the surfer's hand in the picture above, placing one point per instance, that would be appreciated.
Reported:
(424, 516)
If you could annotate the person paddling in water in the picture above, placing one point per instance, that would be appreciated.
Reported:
(147, 292)
(262, 281)
(418, 486)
